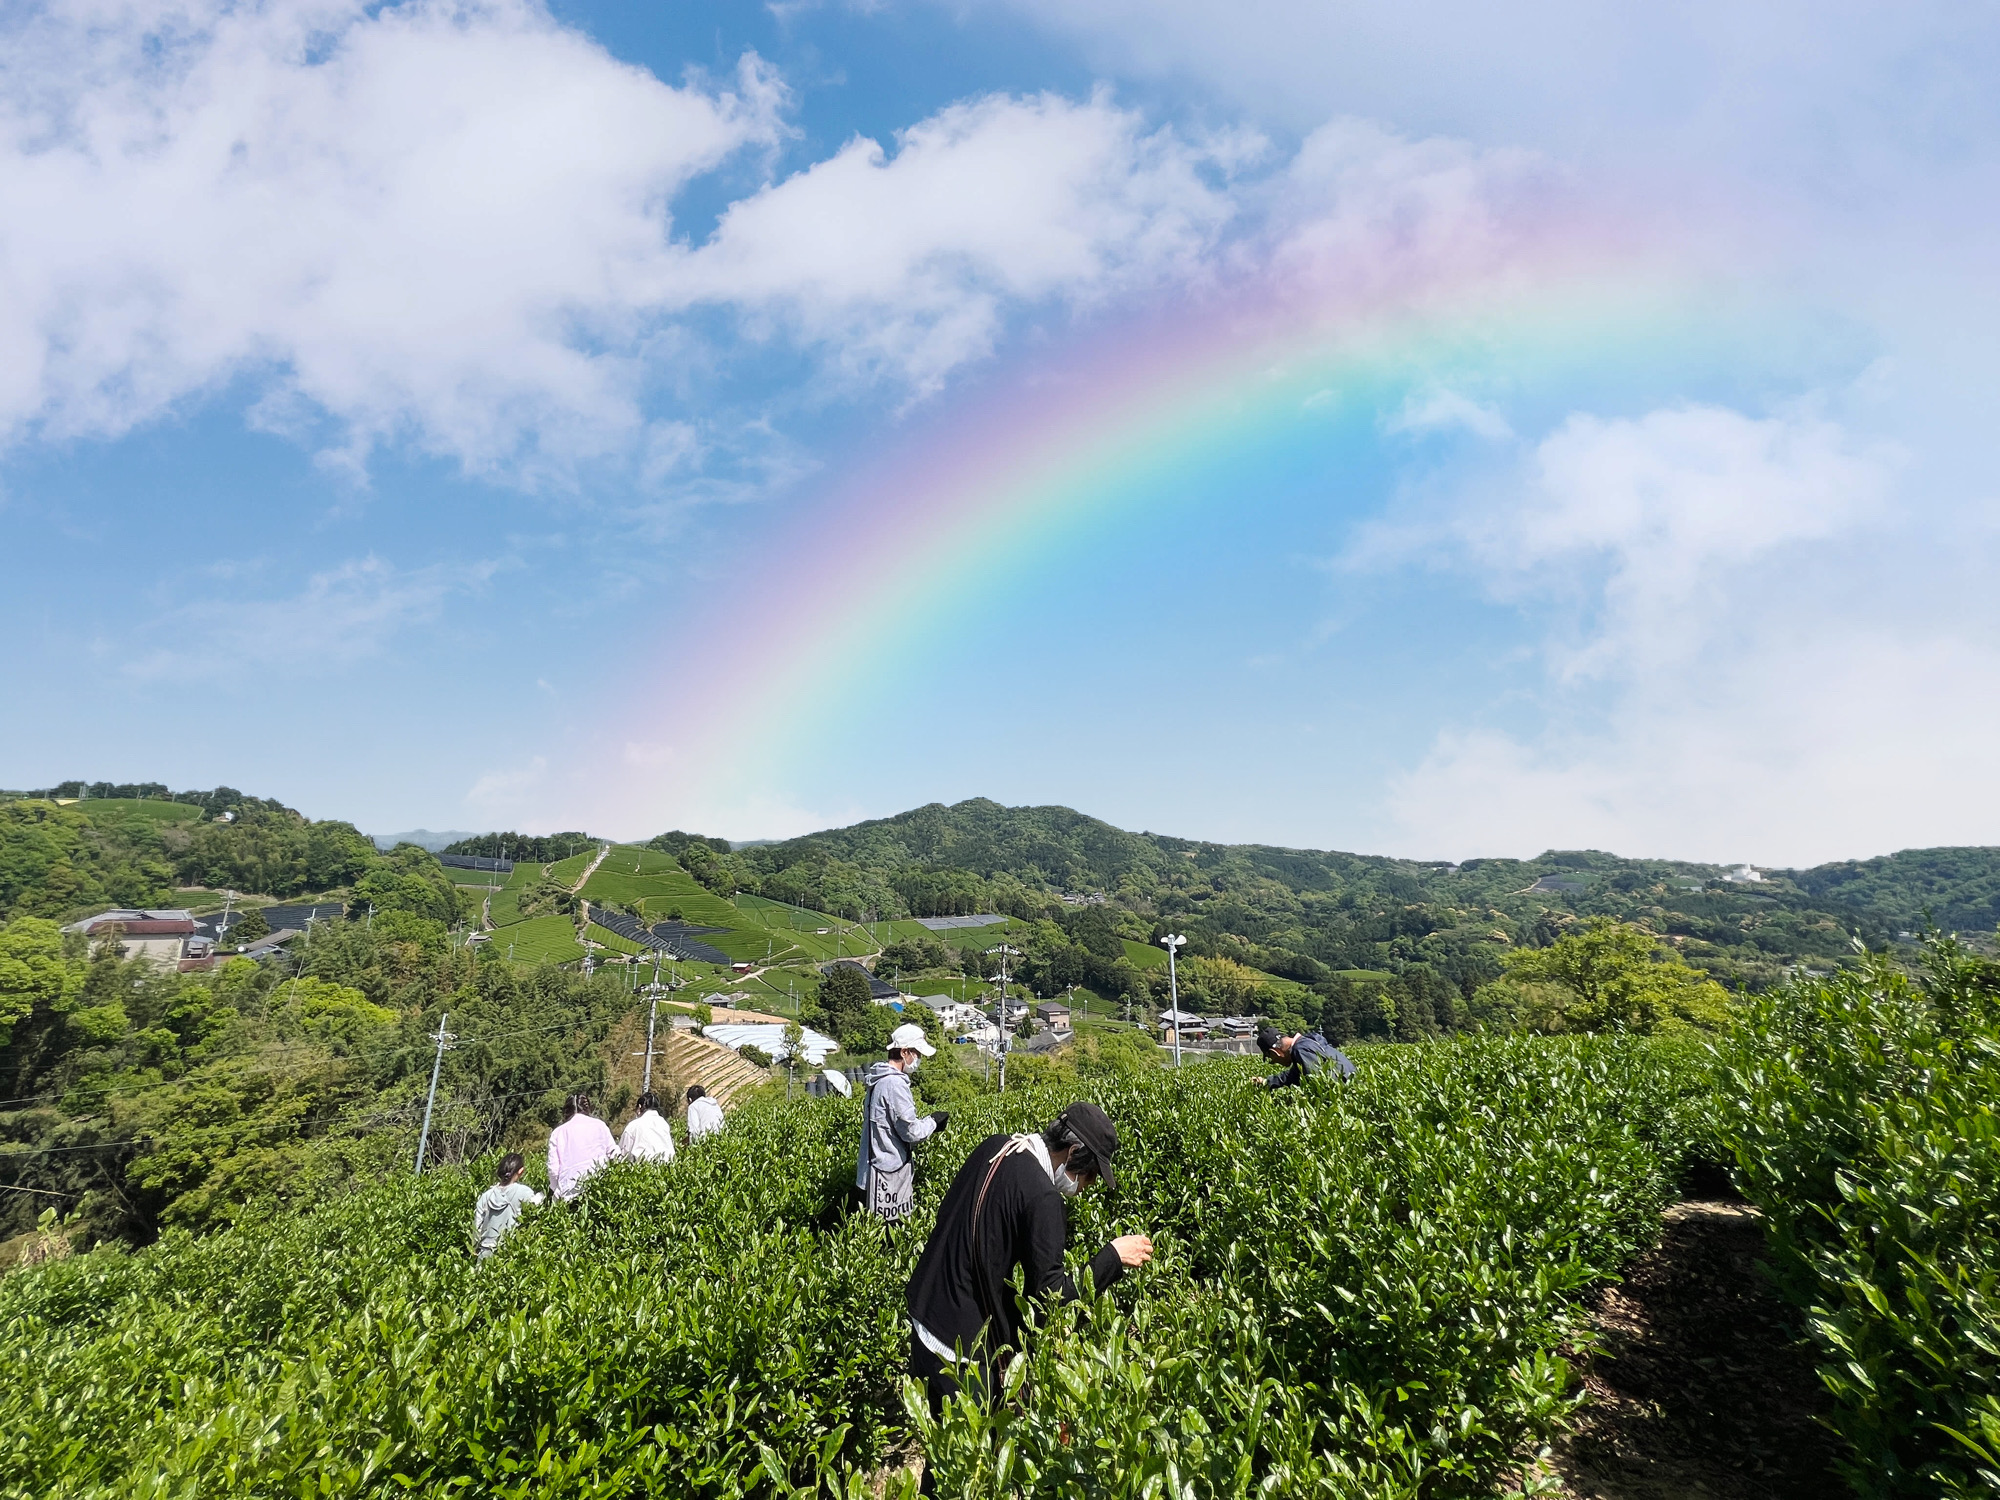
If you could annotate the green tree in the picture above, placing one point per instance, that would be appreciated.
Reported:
(846, 1003)
(914, 955)
(1607, 976)
(410, 879)
(34, 974)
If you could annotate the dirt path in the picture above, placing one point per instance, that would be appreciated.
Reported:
(1700, 1391)
(591, 868)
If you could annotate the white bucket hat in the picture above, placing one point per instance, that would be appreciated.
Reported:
(908, 1037)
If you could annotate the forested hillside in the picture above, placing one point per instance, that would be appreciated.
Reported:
(132, 1096)
(61, 859)
(1307, 913)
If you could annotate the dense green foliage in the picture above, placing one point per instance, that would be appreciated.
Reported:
(64, 861)
(524, 848)
(1954, 889)
(1360, 1291)
(1308, 915)
(1864, 1114)
(137, 1098)
(1602, 975)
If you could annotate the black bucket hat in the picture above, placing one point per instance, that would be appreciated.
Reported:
(1093, 1127)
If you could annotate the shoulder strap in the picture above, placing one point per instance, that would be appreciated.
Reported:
(989, 1302)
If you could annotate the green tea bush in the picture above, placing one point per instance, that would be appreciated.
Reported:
(1361, 1290)
(1861, 1113)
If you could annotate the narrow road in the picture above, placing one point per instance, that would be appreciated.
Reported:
(591, 868)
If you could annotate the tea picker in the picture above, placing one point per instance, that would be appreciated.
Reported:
(1005, 1209)
(885, 1171)
(1304, 1053)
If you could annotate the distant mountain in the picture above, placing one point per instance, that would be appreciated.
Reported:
(423, 838)
(1299, 912)
(1060, 848)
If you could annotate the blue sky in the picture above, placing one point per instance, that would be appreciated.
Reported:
(395, 400)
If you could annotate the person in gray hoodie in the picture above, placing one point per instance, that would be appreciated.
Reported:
(886, 1174)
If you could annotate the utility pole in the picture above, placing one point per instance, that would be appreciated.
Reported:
(1005, 1035)
(1173, 944)
(444, 1039)
(647, 1086)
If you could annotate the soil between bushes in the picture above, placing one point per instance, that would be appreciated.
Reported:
(1702, 1390)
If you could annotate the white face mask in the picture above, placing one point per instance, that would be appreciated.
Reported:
(1066, 1184)
(910, 1066)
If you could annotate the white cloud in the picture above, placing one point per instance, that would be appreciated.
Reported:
(1439, 409)
(1724, 673)
(342, 615)
(502, 794)
(1823, 743)
(452, 224)
(1817, 95)
(908, 261)
(1666, 513)
(1362, 211)
(436, 219)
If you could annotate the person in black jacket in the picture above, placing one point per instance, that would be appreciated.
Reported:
(1304, 1053)
(1005, 1209)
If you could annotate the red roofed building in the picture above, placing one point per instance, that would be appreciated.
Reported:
(163, 938)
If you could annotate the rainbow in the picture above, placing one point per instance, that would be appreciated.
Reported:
(1090, 438)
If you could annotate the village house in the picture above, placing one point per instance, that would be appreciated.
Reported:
(163, 938)
(954, 1015)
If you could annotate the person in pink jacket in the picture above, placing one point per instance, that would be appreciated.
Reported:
(577, 1147)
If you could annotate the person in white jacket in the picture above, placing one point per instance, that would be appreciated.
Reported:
(704, 1114)
(647, 1137)
(577, 1147)
(886, 1171)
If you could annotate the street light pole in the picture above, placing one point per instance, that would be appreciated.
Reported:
(1172, 942)
(1006, 1037)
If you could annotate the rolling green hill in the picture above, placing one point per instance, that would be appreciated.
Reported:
(1310, 915)
(1959, 888)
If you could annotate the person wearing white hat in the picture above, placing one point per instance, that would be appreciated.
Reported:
(886, 1172)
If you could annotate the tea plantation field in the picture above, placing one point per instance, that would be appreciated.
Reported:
(1863, 1112)
(550, 939)
(1360, 1291)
